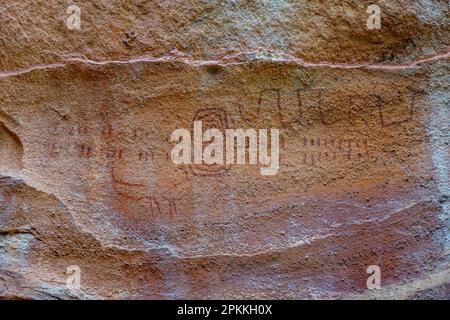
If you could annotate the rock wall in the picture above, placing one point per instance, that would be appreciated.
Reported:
(87, 182)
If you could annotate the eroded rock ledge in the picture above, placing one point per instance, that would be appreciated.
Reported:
(86, 178)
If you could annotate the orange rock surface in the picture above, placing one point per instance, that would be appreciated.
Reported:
(86, 177)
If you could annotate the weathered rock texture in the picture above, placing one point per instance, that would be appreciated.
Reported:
(86, 179)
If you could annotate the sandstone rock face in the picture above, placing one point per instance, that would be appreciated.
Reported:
(86, 178)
